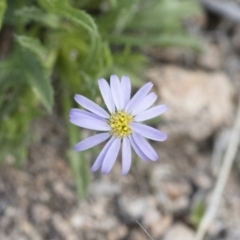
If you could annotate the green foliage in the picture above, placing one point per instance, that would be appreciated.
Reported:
(197, 213)
(29, 14)
(149, 23)
(3, 6)
(33, 58)
(62, 48)
(17, 109)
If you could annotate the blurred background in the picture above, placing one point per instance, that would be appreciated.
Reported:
(53, 49)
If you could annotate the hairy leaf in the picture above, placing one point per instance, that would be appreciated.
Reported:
(34, 45)
(38, 77)
(63, 9)
(33, 56)
(38, 15)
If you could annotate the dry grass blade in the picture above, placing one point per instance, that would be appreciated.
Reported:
(222, 179)
(144, 229)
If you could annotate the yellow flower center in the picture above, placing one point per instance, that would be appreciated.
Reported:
(119, 122)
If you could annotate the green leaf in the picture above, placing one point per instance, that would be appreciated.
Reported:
(3, 6)
(127, 13)
(63, 9)
(33, 58)
(39, 78)
(81, 19)
(164, 15)
(118, 18)
(15, 115)
(162, 40)
(197, 213)
(34, 46)
(38, 15)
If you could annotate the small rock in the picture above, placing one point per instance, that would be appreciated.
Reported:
(202, 180)
(135, 208)
(216, 228)
(151, 216)
(236, 38)
(141, 207)
(173, 206)
(176, 189)
(198, 101)
(179, 232)
(41, 213)
(159, 173)
(172, 190)
(159, 227)
(119, 233)
(138, 234)
(4, 237)
(63, 227)
(211, 58)
(78, 221)
(107, 224)
(105, 188)
(28, 229)
(62, 190)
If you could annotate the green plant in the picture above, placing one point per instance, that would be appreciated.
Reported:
(68, 46)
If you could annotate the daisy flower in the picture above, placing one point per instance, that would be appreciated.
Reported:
(122, 126)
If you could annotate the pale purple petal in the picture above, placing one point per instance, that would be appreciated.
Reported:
(111, 156)
(99, 161)
(90, 123)
(126, 90)
(106, 94)
(76, 113)
(151, 113)
(138, 97)
(126, 156)
(91, 141)
(145, 147)
(148, 132)
(137, 149)
(90, 105)
(116, 92)
(146, 103)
